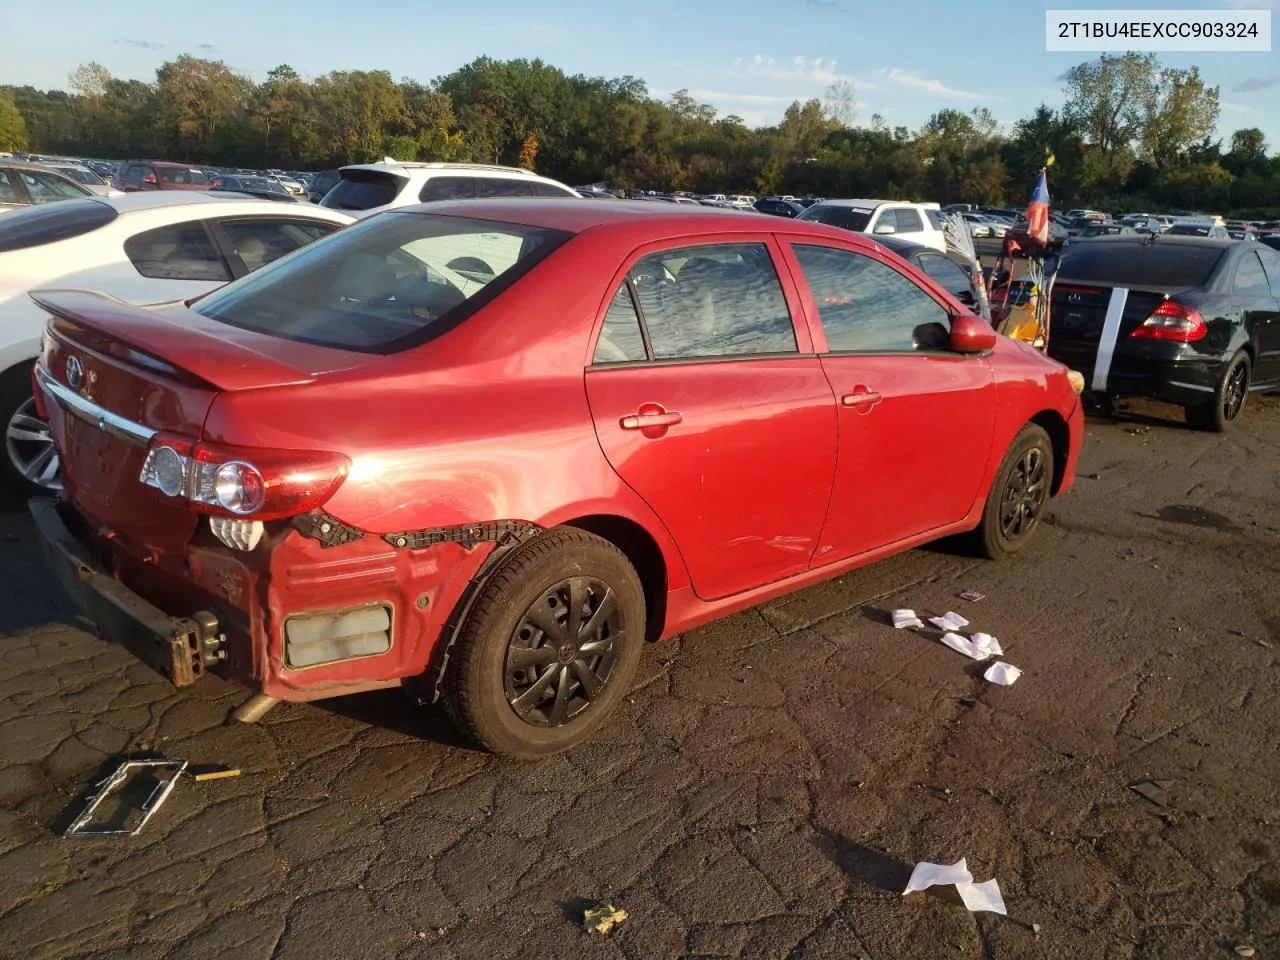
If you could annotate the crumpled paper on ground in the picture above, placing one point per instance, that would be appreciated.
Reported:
(949, 621)
(978, 647)
(976, 897)
(1002, 673)
(906, 618)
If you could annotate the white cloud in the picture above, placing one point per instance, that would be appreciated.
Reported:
(815, 71)
(1235, 107)
(914, 80)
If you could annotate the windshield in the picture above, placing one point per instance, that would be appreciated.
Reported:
(1141, 264)
(181, 175)
(849, 218)
(386, 284)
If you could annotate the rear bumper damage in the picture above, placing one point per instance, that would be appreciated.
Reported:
(179, 648)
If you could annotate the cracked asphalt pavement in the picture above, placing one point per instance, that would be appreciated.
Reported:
(764, 791)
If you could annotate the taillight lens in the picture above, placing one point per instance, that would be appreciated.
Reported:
(1173, 321)
(238, 481)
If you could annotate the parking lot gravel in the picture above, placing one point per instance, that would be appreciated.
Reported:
(765, 790)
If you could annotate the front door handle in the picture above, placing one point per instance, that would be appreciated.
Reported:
(862, 399)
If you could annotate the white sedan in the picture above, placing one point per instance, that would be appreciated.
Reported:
(143, 248)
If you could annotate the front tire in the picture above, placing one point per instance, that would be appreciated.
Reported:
(1018, 494)
(29, 466)
(549, 648)
(1227, 406)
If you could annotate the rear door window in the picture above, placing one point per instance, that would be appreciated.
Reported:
(620, 338)
(1251, 280)
(258, 242)
(713, 301)
(1270, 263)
(909, 221)
(364, 190)
(448, 188)
(180, 251)
(868, 307)
(501, 187)
(549, 190)
(8, 192)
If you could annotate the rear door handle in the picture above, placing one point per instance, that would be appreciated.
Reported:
(863, 399)
(643, 421)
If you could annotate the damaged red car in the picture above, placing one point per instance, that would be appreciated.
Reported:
(486, 450)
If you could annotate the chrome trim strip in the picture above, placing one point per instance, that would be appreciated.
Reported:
(90, 412)
(1191, 386)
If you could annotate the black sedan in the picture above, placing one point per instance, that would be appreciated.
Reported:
(778, 207)
(1187, 320)
(946, 272)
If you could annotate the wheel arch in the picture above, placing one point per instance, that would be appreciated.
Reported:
(1052, 422)
(645, 555)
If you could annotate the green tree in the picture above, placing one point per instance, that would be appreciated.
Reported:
(1109, 99)
(13, 128)
(1180, 112)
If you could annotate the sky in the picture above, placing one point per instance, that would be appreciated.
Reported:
(905, 59)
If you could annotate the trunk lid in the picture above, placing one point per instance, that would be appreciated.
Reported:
(113, 375)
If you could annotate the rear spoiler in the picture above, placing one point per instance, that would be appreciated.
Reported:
(212, 352)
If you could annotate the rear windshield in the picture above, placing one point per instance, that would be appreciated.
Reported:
(363, 190)
(50, 222)
(181, 175)
(850, 218)
(1141, 264)
(388, 283)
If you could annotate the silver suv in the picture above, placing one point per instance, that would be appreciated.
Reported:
(366, 188)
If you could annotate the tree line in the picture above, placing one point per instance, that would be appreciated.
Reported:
(1130, 133)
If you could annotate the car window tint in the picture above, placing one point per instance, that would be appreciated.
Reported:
(868, 307)
(1140, 263)
(1271, 263)
(946, 272)
(501, 187)
(181, 251)
(548, 190)
(448, 188)
(847, 218)
(935, 218)
(714, 300)
(258, 242)
(182, 176)
(1251, 281)
(909, 221)
(7, 189)
(620, 338)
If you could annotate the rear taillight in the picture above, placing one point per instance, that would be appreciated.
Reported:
(239, 481)
(1173, 321)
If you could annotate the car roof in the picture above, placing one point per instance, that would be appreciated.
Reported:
(869, 203)
(225, 203)
(163, 163)
(574, 216)
(26, 165)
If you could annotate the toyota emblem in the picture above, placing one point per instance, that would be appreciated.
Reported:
(75, 372)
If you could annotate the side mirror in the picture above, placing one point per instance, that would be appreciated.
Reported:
(970, 334)
(885, 228)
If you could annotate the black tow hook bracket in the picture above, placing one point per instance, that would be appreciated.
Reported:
(330, 531)
(501, 532)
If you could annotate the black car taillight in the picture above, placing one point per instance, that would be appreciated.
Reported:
(1173, 321)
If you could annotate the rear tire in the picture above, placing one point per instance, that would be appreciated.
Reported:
(1018, 494)
(1227, 406)
(28, 446)
(549, 648)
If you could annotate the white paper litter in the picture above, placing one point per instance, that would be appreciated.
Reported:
(949, 621)
(981, 896)
(975, 896)
(926, 875)
(986, 643)
(1002, 673)
(963, 645)
(906, 618)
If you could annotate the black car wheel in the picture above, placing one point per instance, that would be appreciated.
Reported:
(1227, 406)
(1018, 494)
(549, 648)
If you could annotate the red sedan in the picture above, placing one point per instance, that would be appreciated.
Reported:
(485, 450)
